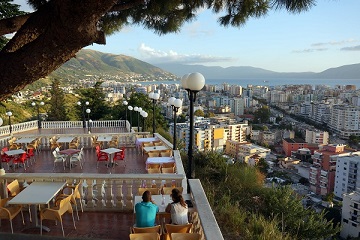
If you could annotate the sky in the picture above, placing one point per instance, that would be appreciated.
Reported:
(326, 36)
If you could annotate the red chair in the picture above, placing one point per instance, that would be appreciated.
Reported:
(102, 157)
(6, 159)
(97, 148)
(30, 154)
(119, 156)
(22, 159)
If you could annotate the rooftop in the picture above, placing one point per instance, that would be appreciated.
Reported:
(112, 205)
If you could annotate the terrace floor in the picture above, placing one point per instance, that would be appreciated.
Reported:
(94, 225)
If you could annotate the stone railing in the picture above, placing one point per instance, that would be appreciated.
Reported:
(31, 125)
(115, 192)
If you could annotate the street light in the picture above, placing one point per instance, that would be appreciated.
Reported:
(175, 105)
(144, 115)
(130, 109)
(9, 114)
(135, 110)
(125, 103)
(38, 111)
(192, 83)
(83, 111)
(90, 123)
(88, 111)
(154, 97)
(139, 109)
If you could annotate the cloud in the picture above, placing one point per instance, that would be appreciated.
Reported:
(195, 30)
(156, 56)
(354, 48)
(334, 42)
(309, 50)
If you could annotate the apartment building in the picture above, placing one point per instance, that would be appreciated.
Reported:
(246, 152)
(345, 120)
(350, 224)
(347, 178)
(322, 172)
(211, 136)
(317, 137)
(321, 112)
(292, 144)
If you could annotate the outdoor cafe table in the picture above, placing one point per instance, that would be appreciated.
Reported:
(14, 152)
(110, 151)
(140, 141)
(155, 148)
(159, 160)
(25, 140)
(65, 140)
(104, 139)
(69, 152)
(35, 194)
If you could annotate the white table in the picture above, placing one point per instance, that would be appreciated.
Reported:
(110, 151)
(158, 200)
(159, 160)
(155, 148)
(65, 140)
(14, 152)
(38, 193)
(25, 140)
(104, 139)
(140, 141)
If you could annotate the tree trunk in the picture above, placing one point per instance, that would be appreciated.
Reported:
(50, 37)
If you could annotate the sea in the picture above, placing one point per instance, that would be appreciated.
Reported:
(272, 82)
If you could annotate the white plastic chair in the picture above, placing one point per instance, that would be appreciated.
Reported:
(58, 158)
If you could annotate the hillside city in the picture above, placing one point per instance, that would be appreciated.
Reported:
(304, 135)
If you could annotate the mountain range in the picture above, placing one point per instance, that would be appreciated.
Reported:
(90, 63)
(342, 72)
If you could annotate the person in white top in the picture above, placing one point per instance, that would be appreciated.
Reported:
(178, 208)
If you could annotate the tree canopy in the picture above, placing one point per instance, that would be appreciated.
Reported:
(58, 29)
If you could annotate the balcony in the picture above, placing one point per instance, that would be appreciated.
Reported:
(108, 193)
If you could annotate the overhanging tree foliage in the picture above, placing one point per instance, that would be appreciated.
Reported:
(58, 29)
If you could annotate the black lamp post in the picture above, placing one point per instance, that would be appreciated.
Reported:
(192, 83)
(144, 115)
(130, 113)
(88, 111)
(125, 103)
(83, 111)
(9, 114)
(138, 109)
(154, 97)
(175, 105)
(38, 111)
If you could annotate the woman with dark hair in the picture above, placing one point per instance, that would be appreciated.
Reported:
(178, 208)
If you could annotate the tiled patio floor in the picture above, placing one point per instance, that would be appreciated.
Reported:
(94, 225)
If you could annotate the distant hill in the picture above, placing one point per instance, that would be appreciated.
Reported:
(343, 72)
(89, 63)
(93, 64)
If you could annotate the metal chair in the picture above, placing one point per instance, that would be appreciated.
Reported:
(10, 212)
(56, 213)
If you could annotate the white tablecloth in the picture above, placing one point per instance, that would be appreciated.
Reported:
(159, 160)
(139, 141)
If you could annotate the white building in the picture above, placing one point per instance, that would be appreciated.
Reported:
(350, 225)
(317, 137)
(345, 120)
(347, 178)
